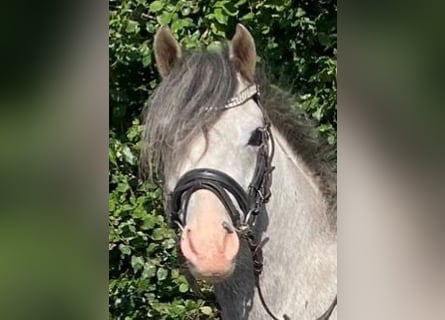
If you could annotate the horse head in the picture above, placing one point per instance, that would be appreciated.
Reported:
(205, 116)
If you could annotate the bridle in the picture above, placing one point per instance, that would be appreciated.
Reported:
(250, 203)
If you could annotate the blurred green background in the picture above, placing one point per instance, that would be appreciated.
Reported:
(296, 42)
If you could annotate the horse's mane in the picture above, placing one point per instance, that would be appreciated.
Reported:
(176, 113)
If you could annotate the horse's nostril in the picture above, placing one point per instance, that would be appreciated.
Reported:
(228, 227)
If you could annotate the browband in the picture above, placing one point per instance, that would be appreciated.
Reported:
(239, 99)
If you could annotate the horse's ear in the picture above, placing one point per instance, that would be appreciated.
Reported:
(167, 51)
(242, 50)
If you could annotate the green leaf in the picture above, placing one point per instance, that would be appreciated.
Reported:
(265, 29)
(230, 9)
(135, 130)
(125, 249)
(139, 212)
(186, 11)
(112, 156)
(206, 310)
(300, 13)
(248, 16)
(128, 155)
(152, 248)
(156, 6)
(158, 234)
(122, 187)
(149, 271)
(165, 18)
(183, 287)
(146, 60)
(219, 16)
(180, 24)
(137, 263)
(148, 223)
(132, 27)
(161, 274)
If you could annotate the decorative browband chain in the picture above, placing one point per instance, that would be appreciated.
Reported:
(239, 99)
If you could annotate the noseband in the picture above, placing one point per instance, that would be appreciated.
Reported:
(248, 203)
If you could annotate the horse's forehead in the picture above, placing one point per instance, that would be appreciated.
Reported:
(224, 146)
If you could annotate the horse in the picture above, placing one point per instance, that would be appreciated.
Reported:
(245, 182)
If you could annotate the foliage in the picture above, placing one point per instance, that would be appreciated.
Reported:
(297, 42)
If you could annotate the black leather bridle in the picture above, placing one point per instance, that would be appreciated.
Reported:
(250, 202)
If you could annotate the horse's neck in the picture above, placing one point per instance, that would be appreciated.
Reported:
(299, 275)
(297, 203)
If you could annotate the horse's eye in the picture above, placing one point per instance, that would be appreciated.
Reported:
(256, 138)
